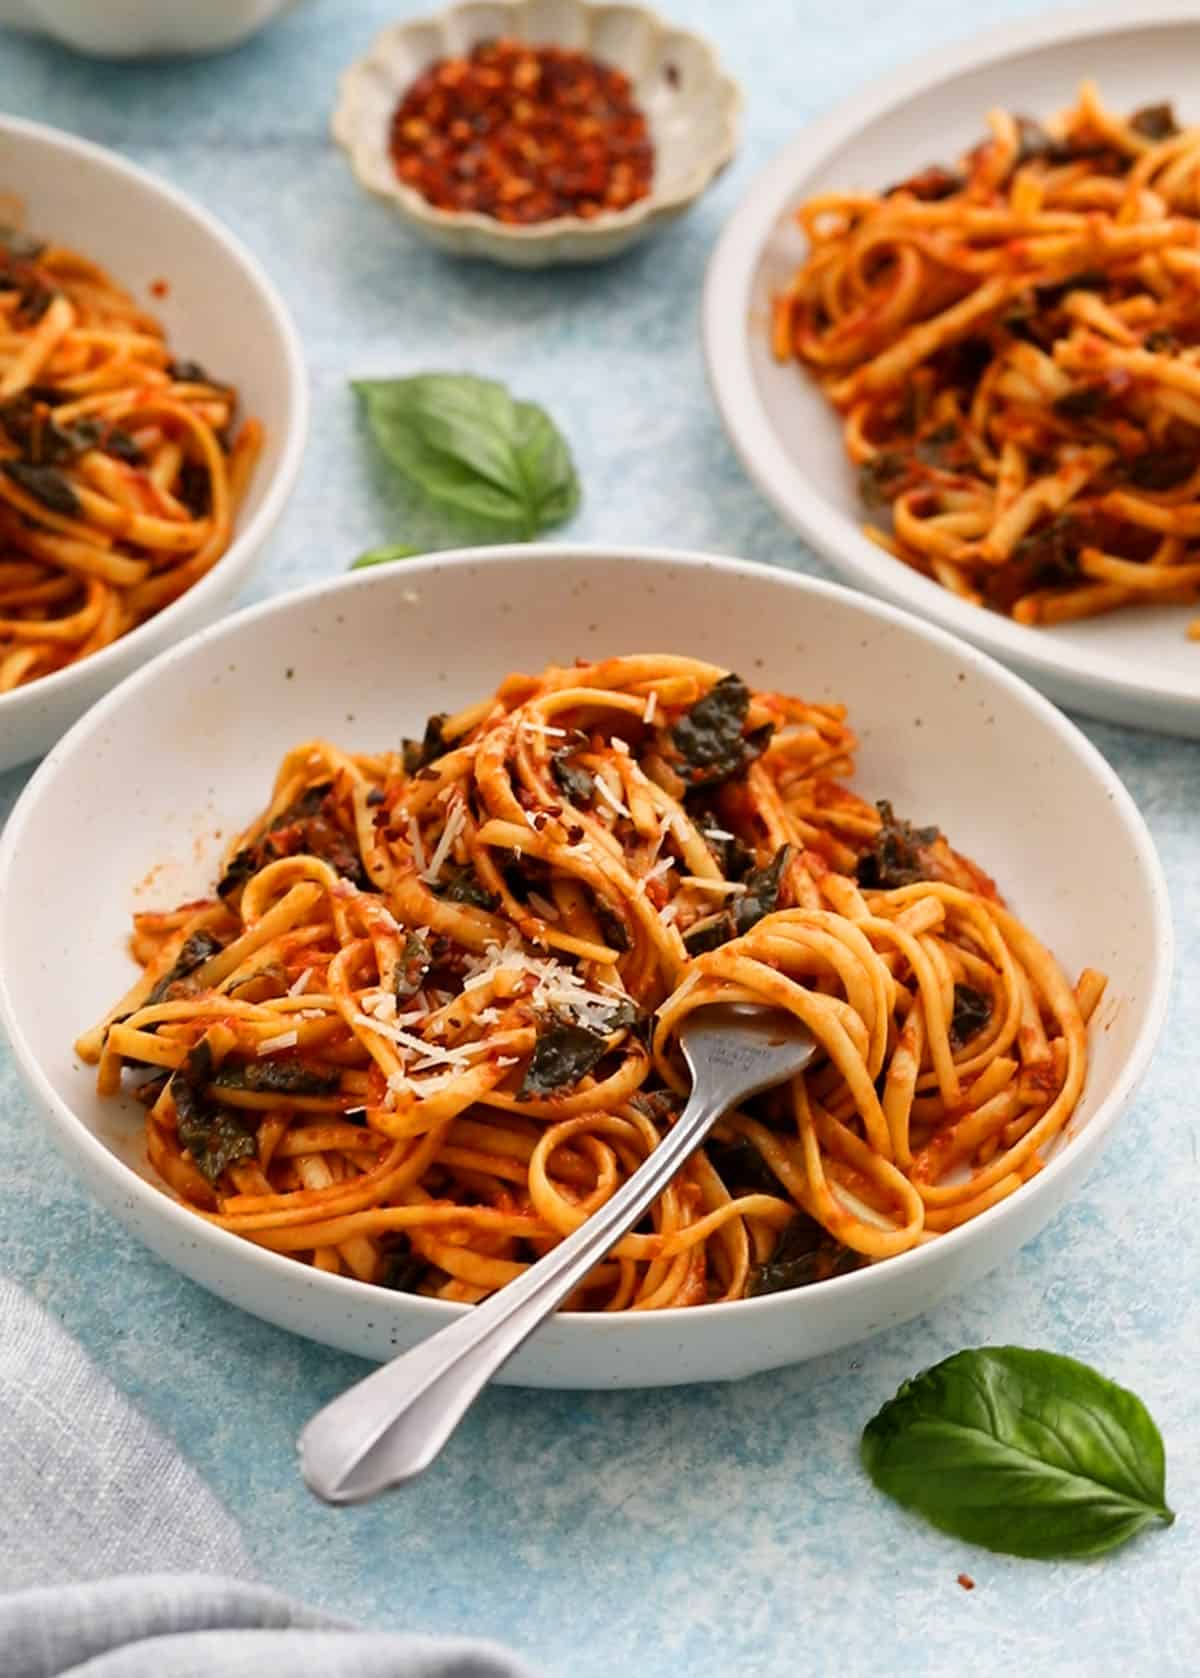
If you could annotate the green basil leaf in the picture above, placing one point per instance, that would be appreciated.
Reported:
(467, 444)
(384, 555)
(1024, 1452)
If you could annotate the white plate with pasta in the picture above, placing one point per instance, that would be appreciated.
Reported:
(414, 874)
(953, 336)
(153, 413)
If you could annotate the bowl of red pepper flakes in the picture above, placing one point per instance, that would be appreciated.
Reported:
(565, 135)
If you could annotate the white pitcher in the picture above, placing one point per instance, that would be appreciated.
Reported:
(134, 28)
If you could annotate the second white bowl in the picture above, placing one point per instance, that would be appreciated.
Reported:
(219, 309)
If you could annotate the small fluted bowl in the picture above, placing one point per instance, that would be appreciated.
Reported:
(692, 106)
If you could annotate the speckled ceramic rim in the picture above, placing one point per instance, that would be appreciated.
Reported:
(241, 553)
(728, 327)
(545, 232)
(232, 1251)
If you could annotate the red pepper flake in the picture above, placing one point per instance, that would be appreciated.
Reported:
(966, 1581)
(159, 288)
(523, 134)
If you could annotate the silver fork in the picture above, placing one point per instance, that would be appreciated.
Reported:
(390, 1426)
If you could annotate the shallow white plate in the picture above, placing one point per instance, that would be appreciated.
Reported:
(193, 742)
(1135, 667)
(220, 310)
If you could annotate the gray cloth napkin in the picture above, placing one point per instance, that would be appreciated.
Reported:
(118, 1562)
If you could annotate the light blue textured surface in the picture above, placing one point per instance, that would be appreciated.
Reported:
(706, 1531)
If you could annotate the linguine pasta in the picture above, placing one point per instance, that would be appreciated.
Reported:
(120, 473)
(1014, 348)
(426, 1023)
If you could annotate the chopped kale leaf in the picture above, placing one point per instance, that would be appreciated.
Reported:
(742, 1169)
(194, 952)
(709, 934)
(761, 896)
(277, 1077)
(804, 1253)
(612, 927)
(307, 826)
(1051, 555)
(463, 885)
(711, 737)
(1083, 401)
(1155, 122)
(894, 858)
(215, 1137)
(881, 479)
(972, 1011)
(1161, 342)
(562, 1055)
(575, 781)
(1163, 469)
(419, 754)
(195, 488)
(416, 958)
(403, 1269)
(45, 484)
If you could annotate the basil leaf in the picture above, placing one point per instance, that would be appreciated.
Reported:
(383, 556)
(1024, 1452)
(467, 444)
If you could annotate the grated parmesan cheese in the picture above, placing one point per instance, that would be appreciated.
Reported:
(717, 833)
(285, 1040)
(542, 906)
(610, 798)
(456, 818)
(380, 1004)
(718, 888)
(651, 706)
(557, 987)
(663, 866)
(301, 984)
(415, 844)
(405, 1040)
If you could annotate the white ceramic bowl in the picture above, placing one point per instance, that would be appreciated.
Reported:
(222, 311)
(193, 741)
(1135, 666)
(691, 103)
(136, 28)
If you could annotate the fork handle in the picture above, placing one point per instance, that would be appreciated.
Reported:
(389, 1427)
